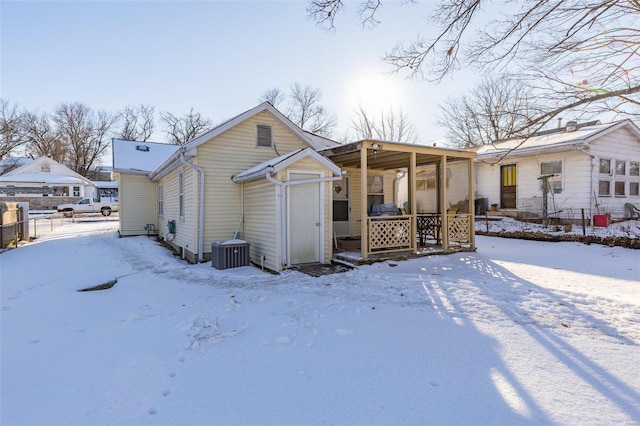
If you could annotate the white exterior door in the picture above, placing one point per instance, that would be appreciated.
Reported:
(305, 225)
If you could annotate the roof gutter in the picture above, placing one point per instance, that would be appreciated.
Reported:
(201, 205)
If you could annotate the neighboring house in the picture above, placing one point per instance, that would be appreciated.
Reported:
(590, 166)
(44, 177)
(260, 178)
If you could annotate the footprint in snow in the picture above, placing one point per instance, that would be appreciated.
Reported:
(166, 392)
(344, 332)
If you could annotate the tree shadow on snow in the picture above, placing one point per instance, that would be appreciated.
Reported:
(496, 295)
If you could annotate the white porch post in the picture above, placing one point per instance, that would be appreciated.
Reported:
(412, 197)
(443, 202)
(364, 228)
(472, 206)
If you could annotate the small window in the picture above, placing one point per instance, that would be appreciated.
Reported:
(264, 136)
(620, 168)
(634, 188)
(634, 168)
(604, 188)
(605, 166)
(45, 168)
(160, 201)
(181, 194)
(76, 191)
(619, 188)
(551, 167)
(375, 190)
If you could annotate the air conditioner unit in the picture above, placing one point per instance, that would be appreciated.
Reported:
(229, 254)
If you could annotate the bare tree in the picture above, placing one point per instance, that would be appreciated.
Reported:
(391, 125)
(574, 53)
(137, 123)
(306, 111)
(84, 132)
(496, 109)
(11, 132)
(43, 139)
(274, 96)
(182, 129)
(303, 108)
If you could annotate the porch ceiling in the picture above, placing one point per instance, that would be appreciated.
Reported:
(391, 155)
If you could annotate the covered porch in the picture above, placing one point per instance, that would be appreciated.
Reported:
(368, 209)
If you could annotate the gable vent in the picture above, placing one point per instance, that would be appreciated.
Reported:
(264, 136)
(142, 148)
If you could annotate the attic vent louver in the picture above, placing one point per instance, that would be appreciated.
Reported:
(142, 148)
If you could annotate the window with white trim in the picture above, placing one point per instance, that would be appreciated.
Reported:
(263, 136)
(552, 169)
(618, 178)
(634, 178)
(160, 200)
(181, 194)
(375, 190)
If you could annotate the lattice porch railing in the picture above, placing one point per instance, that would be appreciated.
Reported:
(390, 233)
(459, 228)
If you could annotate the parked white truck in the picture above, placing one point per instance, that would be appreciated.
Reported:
(87, 205)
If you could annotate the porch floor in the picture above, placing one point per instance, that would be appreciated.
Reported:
(348, 250)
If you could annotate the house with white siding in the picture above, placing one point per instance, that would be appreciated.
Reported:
(591, 167)
(44, 183)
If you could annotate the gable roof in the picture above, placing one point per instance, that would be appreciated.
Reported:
(313, 141)
(139, 157)
(276, 164)
(560, 140)
(32, 173)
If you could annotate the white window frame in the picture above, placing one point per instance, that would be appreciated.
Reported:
(160, 200)
(181, 194)
(556, 182)
(620, 173)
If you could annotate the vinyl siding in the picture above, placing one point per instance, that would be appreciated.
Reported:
(138, 204)
(262, 223)
(227, 155)
(579, 178)
(186, 227)
(619, 145)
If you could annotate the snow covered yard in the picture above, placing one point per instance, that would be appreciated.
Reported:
(520, 332)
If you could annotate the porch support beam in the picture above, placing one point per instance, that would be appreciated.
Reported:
(472, 205)
(443, 203)
(364, 223)
(413, 203)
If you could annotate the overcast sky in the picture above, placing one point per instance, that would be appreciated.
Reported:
(215, 56)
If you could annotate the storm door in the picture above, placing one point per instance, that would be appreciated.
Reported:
(508, 187)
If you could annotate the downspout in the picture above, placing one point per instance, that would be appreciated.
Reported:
(201, 205)
(591, 200)
(283, 205)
